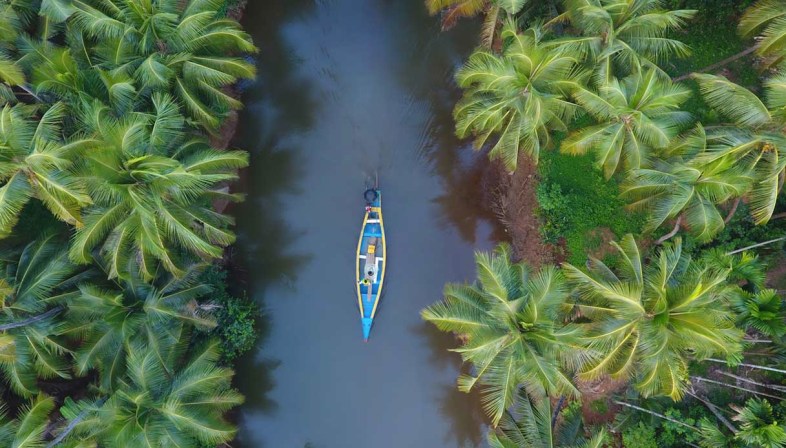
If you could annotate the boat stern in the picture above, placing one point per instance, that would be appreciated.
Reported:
(366, 321)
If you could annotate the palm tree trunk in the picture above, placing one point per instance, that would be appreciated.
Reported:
(72, 424)
(30, 92)
(672, 233)
(752, 366)
(757, 341)
(776, 387)
(715, 411)
(23, 323)
(732, 211)
(557, 410)
(720, 383)
(719, 64)
(756, 245)
(656, 414)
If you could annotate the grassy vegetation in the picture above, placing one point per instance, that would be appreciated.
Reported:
(712, 37)
(575, 201)
(235, 318)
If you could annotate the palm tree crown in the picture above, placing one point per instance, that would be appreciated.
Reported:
(177, 400)
(768, 19)
(36, 284)
(530, 425)
(36, 162)
(148, 203)
(637, 115)
(621, 35)
(685, 191)
(14, 18)
(758, 426)
(158, 314)
(754, 141)
(522, 95)
(28, 429)
(648, 319)
(494, 9)
(169, 45)
(512, 331)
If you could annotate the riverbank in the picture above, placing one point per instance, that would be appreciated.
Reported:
(513, 198)
(237, 315)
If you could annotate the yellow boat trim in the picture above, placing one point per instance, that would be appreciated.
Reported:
(377, 210)
(357, 266)
(384, 264)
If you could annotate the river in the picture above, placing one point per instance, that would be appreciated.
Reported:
(348, 89)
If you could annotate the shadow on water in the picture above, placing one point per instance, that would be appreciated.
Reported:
(322, 102)
(462, 410)
(279, 104)
(464, 203)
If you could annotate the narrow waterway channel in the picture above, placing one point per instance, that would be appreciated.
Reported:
(347, 89)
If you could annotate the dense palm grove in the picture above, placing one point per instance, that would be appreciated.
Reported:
(109, 181)
(652, 321)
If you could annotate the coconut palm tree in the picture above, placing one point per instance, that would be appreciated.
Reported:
(494, 9)
(169, 46)
(754, 140)
(713, 437)
(767, 18)
(532, 424)
(28, 429)
(19, 19)
(511, 328)
(159, 314)
(152, 202)
(65, 74)
(36, 284)
(680, 186)
(758, 425)
(14, 15)
(178, 400)
(619, 36)
(745, 268)
(685, 193)
(35, 162)
(648, 319)
(637, 116)
(522, 95)
(761, 311)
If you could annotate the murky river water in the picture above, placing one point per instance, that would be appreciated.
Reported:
(347, 89)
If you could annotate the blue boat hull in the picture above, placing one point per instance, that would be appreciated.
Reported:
(371, 262)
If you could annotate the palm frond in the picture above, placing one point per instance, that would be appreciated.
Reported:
(732, 100)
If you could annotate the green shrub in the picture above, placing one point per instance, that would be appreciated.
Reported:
(639, 436)
(674, 435)
(236, 317)
(574, 199)
(551, 207)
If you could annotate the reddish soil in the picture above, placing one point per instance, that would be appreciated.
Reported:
(595, 392)
(514, 202)
(228, 127)
(776, 277)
